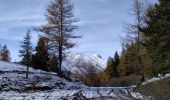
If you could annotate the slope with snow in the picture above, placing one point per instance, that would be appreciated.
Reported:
(154, 79)
(77, 62)
(12, 77)
(160, 77)
(48, 86)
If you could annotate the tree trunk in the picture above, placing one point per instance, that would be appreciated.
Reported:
(138, 15)
(60, 58)
(61, 38)
(27, 72)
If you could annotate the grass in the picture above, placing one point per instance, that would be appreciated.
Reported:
(160, 90)
(122, 81)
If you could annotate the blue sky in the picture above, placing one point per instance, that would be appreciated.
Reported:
(101, 24)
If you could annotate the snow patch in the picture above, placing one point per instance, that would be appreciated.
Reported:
(137, 95)
(160, 77)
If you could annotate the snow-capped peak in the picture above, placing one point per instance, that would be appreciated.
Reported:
(77, 62)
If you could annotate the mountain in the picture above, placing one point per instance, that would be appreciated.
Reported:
(43, 85)
(79, 62)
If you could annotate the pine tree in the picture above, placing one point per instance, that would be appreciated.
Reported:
(59, 29)
(116, 64)
(5, 54)
(157, 35)
(41, 57)
(26, 52)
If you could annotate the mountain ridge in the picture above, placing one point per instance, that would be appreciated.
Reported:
(77, 62)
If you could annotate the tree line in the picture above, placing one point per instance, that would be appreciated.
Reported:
(147, 43)
(145, 48)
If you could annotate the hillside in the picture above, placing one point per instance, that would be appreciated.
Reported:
(158, 89)
(46, 85)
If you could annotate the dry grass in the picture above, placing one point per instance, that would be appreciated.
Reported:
(160, 90)
(122, 81)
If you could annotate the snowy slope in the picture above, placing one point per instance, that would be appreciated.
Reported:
(160, 77)
(77, 62)
(12, 77)
(48, 86)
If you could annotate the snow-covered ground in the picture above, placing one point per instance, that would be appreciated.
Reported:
(48, 86)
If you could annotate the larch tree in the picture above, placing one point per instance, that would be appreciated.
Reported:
(134, 33)
(26, 52)
(60, 28)
(128, 63)
(53, 64)
(109, 67)
(5, 54)
(122, 63)
(89, 76)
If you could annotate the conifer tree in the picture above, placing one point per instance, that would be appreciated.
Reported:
(5, 54)
(116, 64)
(41, 56)
(134, 33)
(60, 27)
(157, 35)
(109, 67)
(26, 52)
(122, 66)
(128, 62)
